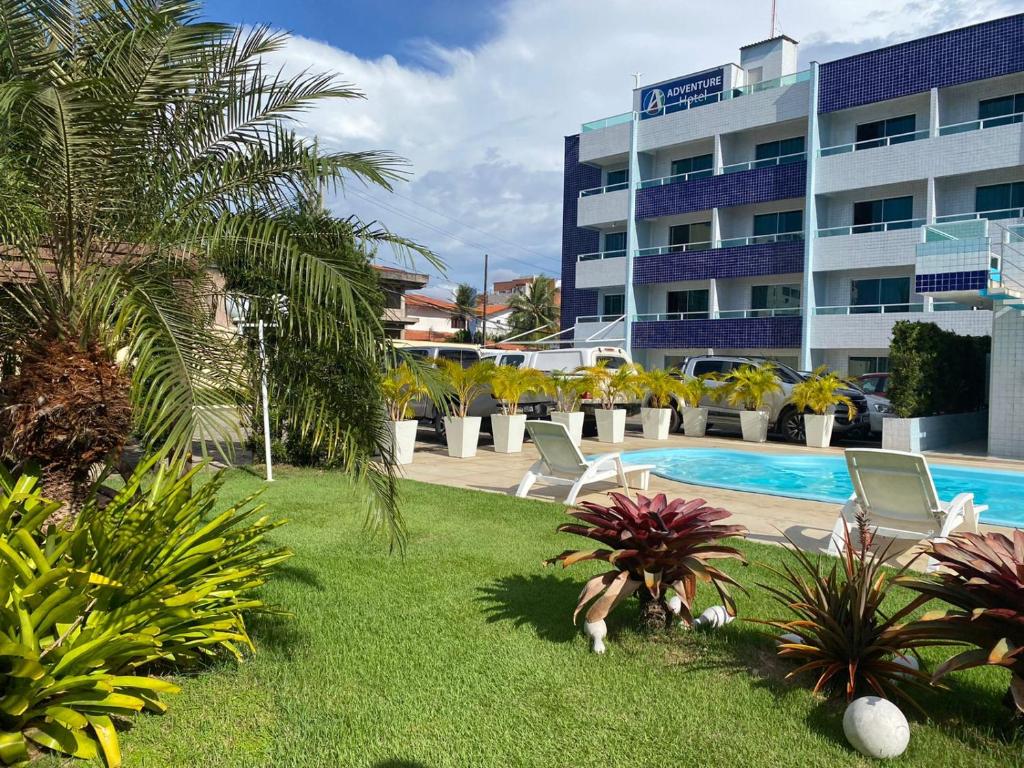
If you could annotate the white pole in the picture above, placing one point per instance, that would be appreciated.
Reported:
(266, 404)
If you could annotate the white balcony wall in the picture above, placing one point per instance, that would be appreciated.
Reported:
(605, 145)
(598, 273)
(740, 146)
(956, 194)
(960, 153)
(605, 335)
(841, 127)
(603, 210)
(751, 111)
(867, 250)
(875, 331)
(959, 104)
(836, 210)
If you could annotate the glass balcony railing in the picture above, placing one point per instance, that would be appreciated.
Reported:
(672, 316)
(885, 141)
(599, 318)
(980, 125)
(601, 255)
(796, 157)
(679, 177)
(606, 122)
(882, 226)
(723, 314)
(606, 188)
(679, 248)
(1005, 213)
(781, 237)
(888, 309)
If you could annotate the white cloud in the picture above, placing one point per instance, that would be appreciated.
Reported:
(484, 136)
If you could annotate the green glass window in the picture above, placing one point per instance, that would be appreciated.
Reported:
(696, 236)
(694, 302)
(870, 293)
(874, 134)
(698, 166)
(617, 179)
(787, 223)
(858, 366)
(615, 241)
(614, 304)
(1000, 201)
(789, 150)
(1001, 110)
(874, 215)
(776, 297)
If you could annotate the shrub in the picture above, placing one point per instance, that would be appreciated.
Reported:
(655, 544)
(568, 390)
(749, 385)
(845, 637)
(933, 371)
(982, 577)
(610, 385)
(464, 385)
(509, 383)
(661, 385)
(821, 391)
(85, 613)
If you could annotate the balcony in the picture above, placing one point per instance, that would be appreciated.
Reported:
(885, 141)
(981, 125)
(598, 270)
(866, 246)
(748, 332)
(603, 209)
(600, 330)
(735, 257)
(870, 326)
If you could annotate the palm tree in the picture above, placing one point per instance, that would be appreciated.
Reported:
(536, 307)
(141, 148)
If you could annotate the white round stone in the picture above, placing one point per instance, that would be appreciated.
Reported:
(596, 631)
(675, 604)
(875, 727)
(908, 661)
(714, 617)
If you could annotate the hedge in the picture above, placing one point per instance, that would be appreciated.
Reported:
(933, 371)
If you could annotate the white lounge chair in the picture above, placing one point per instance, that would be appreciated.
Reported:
(561, 463)
(897, 492)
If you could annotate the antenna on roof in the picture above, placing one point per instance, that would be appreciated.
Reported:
(636, 80)
(771, 32)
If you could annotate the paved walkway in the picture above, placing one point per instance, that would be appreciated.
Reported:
(769, 518)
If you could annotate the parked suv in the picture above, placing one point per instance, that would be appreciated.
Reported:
(783, 417)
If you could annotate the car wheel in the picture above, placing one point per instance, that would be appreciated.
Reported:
(791, 425)
(439, 426)
(676, 424)
(590, 425)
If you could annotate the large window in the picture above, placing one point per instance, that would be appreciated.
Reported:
(894, 131)
(1002, 110)
(615, 242)
(866, 296)
(690, 237)
(858, 366)
(772, 227)
(1000, 201)
(615, 180)
(784, 151)
(775, 297)
(698, 167)
(614, 304)
(879, 215)
(694, 303)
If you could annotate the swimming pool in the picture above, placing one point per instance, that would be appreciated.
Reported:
(825, 478)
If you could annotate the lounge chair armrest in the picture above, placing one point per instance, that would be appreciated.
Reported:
(605, 458)
(960, 511)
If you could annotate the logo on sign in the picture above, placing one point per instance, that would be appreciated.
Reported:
(654, 102)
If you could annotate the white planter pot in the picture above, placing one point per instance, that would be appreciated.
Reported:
(818, 429)
(462, 434)
(402, 440)
(695, 421)
(508, 432)
(656, 422)
(754, 425)
(573, 421)
(611, 425)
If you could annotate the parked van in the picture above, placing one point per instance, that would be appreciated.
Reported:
(550, 360)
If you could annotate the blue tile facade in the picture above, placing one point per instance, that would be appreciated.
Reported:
(746, 333)
(938, 61)
(576, 240)
(951, 281)
(760, 185)
(743, 261)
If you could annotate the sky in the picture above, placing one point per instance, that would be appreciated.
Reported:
(477, 97)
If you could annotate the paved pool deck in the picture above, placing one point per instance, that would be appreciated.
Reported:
(768, 518)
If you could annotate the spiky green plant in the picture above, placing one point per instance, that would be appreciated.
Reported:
(821, 391)
(568, 389)
(510, 383)
(401, 385)
(695, 388)
(660, 385)
(611, 385)
(750, 385)
(464, 385)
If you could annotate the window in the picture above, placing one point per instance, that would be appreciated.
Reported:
(612, 362)
(784, 151)
(1002, 110)
(614, 304)
(616, 180)
(769, 297)
(673, 362)
(1000, 201)
(893, 292)
(464, 357)
(513, 360)
(698, 167)
(693, 237)
(773, 227)
(874, 134)
(858, 366)
(694, 303)
(702, 367)
(459, 322)
(874, 215)
(615, 241)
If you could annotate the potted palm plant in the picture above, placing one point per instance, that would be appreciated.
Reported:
(400, 386)
(464, 385)
(692, 393)
(508, 385)
(611, 386)
(568, 389)
(661, 386)
(820, 393)
(748, 387)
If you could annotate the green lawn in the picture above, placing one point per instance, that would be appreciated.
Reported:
(463, 654)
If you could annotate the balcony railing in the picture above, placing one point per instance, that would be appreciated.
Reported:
(733, 93)
(606, 188)
(980, 125)
(606, 122)
(884, 141)
(600, 255)
(781, 237)
(767, 162)
(1005, 213)
(888, 309)
(881, 226)
(702, 174)
(723, 314)
(599, 318)
(681, 248)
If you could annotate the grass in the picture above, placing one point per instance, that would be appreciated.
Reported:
(462, 654)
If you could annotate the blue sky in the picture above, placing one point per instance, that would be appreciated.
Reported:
(373, 28)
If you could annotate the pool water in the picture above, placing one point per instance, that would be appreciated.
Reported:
(825, 478)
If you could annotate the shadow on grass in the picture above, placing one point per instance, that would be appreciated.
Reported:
(544, 602)
(297, 574)
(275, 634)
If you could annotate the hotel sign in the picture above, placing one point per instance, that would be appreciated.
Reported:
(684, 93)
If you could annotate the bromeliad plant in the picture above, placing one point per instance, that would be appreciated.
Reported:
(509, 383)
(654, 545)
(400, 386)
(982, 577)
(842, 635)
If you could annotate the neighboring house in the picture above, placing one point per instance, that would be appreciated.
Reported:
(434, 319)
(499, 319)
(395, 282)
(504, 290)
